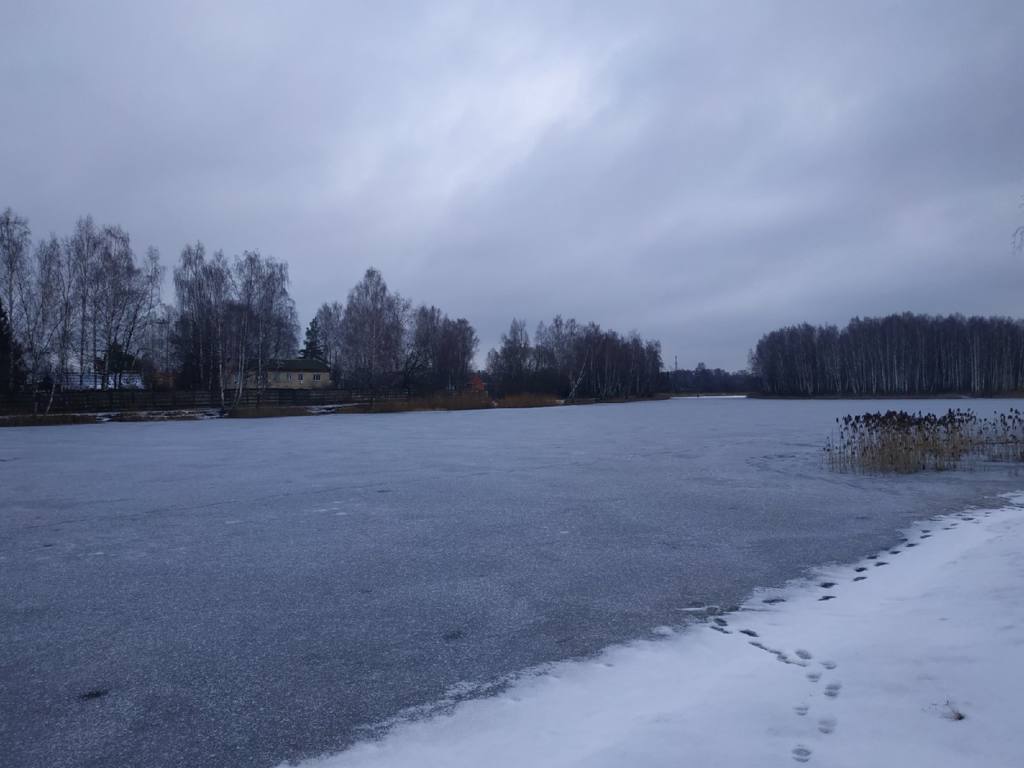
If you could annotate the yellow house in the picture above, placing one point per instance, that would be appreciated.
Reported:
(293, 374)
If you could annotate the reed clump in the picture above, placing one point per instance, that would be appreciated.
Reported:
(527, 400)
(897, 441)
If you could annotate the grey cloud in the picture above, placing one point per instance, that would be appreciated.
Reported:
(700, 172)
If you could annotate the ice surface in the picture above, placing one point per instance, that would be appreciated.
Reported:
(918, 665)
(250, 592)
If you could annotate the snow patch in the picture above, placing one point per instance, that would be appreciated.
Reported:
(917, 663)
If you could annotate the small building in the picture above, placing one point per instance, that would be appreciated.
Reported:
(300, 373)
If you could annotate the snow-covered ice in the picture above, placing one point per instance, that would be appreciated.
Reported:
(270, 589)
(912, 657)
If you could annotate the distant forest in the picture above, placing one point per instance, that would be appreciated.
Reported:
(709, 380)
(86, 311)
(904, 354)
(575, 360)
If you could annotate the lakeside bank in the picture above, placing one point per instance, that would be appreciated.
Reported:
(911, 656)
(411, 405)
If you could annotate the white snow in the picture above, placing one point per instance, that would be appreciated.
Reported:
(937, 631)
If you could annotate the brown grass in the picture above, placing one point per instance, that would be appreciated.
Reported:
(268, 411)
(60, 419)
(527, 400)
(135, 416)
(463, 401)
(48, 420)
(588, 401)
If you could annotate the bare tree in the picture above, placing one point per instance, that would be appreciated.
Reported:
(372, 332)
(15, 241)
(231, 319)
(574, 360)
(42, 311)
(265, 325)
(329, 317)
(510, 363)
(82, 254)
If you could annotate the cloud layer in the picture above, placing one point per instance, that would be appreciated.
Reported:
(701, 172)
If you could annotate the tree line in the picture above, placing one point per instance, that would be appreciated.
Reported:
(85, 311)
(75, 307)
(901, 354)
(710, 380)
(379, 339)
(574, 360)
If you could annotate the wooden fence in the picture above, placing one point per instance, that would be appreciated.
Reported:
(98, 401)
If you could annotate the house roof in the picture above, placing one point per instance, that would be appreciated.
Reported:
(299, 364)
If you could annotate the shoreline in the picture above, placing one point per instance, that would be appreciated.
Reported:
(428, 405)
(952, 396)
(272, 412)
(914, 663)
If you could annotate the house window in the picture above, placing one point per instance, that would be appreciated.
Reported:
(316, 377)
(301, 375)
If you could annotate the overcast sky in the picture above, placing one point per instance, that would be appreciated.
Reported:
(699, 172)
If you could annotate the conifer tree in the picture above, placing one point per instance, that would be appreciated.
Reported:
(313, 348)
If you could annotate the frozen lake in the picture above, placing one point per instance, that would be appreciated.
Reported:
(241, 593)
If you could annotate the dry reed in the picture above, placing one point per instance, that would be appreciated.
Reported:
(901, 442)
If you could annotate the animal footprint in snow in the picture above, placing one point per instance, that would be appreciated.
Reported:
(880, 563)
(832, 689)
(814, 676)
(801, 709)
(859, 578)
(801, 753)
(748, 632)
(827, 724)
(828, 664)
(860, 569)
(826, 597)
(827, 584)
(803, 654)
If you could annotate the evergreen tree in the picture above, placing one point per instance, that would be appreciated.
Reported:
(313, 348)
(10, 358)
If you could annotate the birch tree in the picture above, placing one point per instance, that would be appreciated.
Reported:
(329, 318)
(372, 332)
